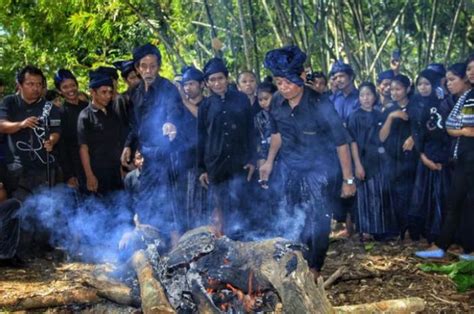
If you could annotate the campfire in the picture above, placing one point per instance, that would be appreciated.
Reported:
(206, 273)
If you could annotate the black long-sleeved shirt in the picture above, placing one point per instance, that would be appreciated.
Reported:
(226, 135)
(310, 132)
(161, 103)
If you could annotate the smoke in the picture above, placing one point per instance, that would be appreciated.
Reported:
(87, 226)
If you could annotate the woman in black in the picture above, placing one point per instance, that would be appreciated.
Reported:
(459, 124)
(373, 214)
(66, 84)
(400, 124)
(433, 172)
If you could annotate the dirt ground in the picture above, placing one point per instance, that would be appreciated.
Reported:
(375, 271)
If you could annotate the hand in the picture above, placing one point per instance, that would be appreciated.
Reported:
(468, 131)
(126, 239)
(348, 190)
(204, 180)
(408, 145)
(169, 129)
(92, 183)
(395, 65)
(264, 174)
(72, 182)
(430, 164)
(251, 169)
(30, 122)
(48, 145)
(360, 172)
(265, 170)
(399, 114)
(125, 157)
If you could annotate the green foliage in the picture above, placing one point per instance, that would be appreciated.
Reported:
(81, 35)
(462, 273)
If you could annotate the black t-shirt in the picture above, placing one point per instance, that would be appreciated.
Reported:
(69, 149)
(26, 145)
(101, 132)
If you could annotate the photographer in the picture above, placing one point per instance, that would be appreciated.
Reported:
(23, 117)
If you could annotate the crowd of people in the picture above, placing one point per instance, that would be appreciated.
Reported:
(387, 159)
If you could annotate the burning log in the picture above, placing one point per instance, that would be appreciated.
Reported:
(153, 296)
(408, 305)
(241, 276)
(53, 299)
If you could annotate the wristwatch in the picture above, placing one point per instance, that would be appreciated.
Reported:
(349, 181)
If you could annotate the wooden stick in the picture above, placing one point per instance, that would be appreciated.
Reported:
(153, 296)
(335, 276)
(408, 305)
(53, 299)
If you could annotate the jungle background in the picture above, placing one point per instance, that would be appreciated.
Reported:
(83, 34)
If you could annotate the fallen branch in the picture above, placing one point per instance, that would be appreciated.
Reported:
(53, 299)
(335, 276)
(408, 305)
(153, 296)
(443, 300)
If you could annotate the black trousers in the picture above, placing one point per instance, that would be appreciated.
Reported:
(460, 203)
(308, 193)
(229, 204)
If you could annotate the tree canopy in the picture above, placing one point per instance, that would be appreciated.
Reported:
(82, 34)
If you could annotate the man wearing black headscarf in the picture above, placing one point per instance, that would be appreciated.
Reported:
(98, 133)
(191, 195)
(306, 130)
(226, 148)
(157, 113)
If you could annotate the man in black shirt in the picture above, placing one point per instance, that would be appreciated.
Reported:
(23, 117)
(306, 129)
(66, 83)
(226, 147)
(98, 133)
(156, 112)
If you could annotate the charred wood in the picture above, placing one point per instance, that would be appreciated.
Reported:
(152, 294)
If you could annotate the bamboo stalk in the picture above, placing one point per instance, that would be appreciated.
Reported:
(272, 23)
(243, 30)
(158, 32)
(382, 46)
(451, 33)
